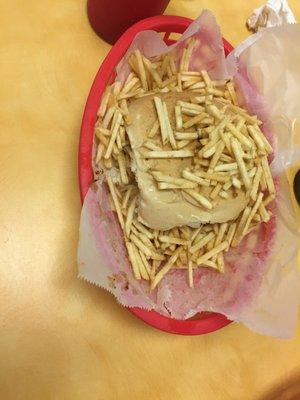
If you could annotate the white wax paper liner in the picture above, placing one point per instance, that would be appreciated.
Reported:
(260, 286)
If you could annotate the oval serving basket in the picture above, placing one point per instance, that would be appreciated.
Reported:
(201, 323)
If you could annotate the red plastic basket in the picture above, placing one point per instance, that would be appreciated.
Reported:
(203, 323)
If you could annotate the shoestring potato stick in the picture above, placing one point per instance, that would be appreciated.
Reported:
(228, 153)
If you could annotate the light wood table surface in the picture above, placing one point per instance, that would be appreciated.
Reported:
(61, 338)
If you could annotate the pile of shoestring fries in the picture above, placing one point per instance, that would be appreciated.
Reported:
(231, 156)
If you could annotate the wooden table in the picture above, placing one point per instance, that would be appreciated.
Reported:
(61, 338)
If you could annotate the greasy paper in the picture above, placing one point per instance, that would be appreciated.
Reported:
(260, 286)
(273, 13)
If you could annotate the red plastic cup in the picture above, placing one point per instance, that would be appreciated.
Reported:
(111, 18)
